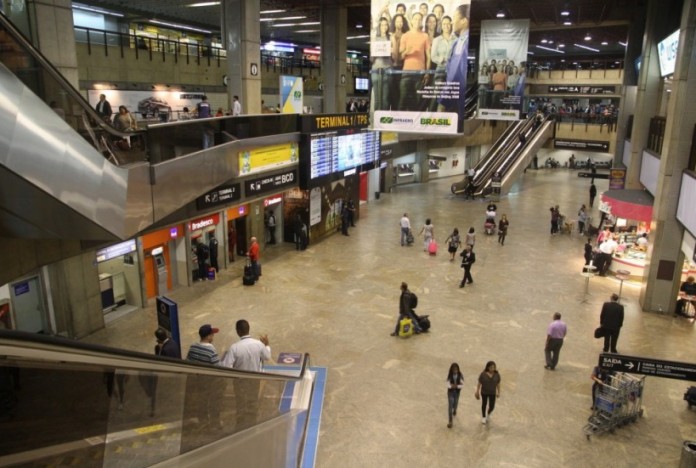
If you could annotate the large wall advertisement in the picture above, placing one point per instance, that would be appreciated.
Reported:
(503, 68)
(291, 92)
(419, 54)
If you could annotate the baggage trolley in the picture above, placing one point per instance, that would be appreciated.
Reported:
(618, 402)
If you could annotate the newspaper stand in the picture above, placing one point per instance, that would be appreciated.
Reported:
(618, 402)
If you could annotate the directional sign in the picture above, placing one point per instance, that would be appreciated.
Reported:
(586, 145)
(645, 366)
(589, 175)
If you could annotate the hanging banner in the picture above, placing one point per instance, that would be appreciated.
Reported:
(419, 53)
(291, 90)
(503, 71)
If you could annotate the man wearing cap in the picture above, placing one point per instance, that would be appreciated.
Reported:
(248, 354)
(204, 351)
(165, 345)
(203, 393)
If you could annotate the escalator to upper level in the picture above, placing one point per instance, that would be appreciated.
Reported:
(509, 155)
(68, 174)
(64, 403)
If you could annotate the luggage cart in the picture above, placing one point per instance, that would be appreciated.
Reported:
(618, 402)
(564, 226)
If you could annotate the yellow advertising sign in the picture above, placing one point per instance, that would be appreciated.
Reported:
(389, 138)
(267, 157)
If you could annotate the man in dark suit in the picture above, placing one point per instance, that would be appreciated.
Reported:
(103, 108)
(457, 64)
(611, 320)
(468, 259)
(165, 345)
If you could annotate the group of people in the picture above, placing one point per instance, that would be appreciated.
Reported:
(487, 390)
(123, 120)
(358, 105)
(498, 79)
(414, 49)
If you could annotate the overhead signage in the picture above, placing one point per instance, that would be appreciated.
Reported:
(499, 114)
(587, 145)
(667, 53)
(270, 183)
(21, 288)
(267, 157)
(220, 196)
(645, 366)
(272, 201)
(419, 122)
(117, 250)
(582, 89)
(331, 122)
(201, 223)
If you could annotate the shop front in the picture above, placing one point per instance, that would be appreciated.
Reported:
(273, 218)
(118, 267)
(164, 261)
(627, 213)
(237, 232)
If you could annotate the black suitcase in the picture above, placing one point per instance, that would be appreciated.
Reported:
(424, 323)
(690, 396)
(249, 278)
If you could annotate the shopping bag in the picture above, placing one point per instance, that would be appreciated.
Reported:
(405, 327)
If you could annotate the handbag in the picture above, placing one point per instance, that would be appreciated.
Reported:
(600, 332)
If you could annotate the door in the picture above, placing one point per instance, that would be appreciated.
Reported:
(28, 305)
(241, 228)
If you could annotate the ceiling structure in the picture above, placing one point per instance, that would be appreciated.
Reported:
(605, 22)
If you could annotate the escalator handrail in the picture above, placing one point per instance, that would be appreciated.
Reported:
(47, 66)
(483, 168)
(17, 344)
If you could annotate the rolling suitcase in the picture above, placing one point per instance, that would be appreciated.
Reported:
(249, 278)
(424, 323)
(432, 247)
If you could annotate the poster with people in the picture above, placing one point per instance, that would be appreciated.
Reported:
(502, 71)
(419, 54)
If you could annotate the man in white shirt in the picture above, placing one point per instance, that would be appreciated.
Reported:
(248, 354)
(236, 106)
(405, 229)
(606, 251)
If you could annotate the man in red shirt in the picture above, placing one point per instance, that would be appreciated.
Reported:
(253, 255)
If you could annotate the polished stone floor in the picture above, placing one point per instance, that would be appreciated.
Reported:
(386, 401)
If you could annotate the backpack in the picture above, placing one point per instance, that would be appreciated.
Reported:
(414, 301)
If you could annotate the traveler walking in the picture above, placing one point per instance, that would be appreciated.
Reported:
(488, 390)
(555, 333)
(455, 382)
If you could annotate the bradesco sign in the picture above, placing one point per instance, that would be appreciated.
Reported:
(202, 223)
(440, 122)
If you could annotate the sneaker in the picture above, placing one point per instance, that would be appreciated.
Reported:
(393, 334)
(488, 418)
(484, 420)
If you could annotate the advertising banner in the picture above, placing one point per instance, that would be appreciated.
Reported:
(419, 53)
(150, 103)
(291, 90)
(503, 69)
(267, 157)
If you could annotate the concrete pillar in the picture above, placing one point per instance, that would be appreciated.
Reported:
(422, 160)
(241, 31)
(334, 22)
(662, 274)
(53, 34)
(648, 94)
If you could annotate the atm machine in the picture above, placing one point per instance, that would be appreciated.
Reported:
(160, 270)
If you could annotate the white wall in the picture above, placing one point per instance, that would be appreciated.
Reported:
(562, 156)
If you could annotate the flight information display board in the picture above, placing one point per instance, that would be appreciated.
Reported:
(331, 152)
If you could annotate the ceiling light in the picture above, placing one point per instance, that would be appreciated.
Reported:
(605, 43)
(309, 23)
(560, 46)
(622, 43)
(306, 31)
(550, 41)
(500, 14)
(565, 13)
(203, 4)
(544, 41)
(291, 18)
(567, 23)
(364, 36)
(179, 26)
(550, 49)
(588, 37)
(586, 48)
(285, 25)
(270, 12)
(358, 26)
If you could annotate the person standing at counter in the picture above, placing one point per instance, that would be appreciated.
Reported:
(688, 288)
(606, 252)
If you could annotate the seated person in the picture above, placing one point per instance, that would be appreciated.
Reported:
(688, 288)
(642, 242)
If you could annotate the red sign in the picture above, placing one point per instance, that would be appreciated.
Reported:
(272, 200)
(201, 223)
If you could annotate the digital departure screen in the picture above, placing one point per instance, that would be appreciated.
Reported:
(332, 153)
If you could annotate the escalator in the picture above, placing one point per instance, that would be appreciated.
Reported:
(68, 174)
(64, 403)
(507, 158)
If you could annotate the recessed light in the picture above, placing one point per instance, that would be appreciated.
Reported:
(270, 12)
(550, 41)
(565, 13)
(544, 41)
(588, 37)
(358, 26)
(567, 23)
(605, 43)
(560, 46)
(500, 14)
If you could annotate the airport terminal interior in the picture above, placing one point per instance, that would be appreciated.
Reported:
(113, 227)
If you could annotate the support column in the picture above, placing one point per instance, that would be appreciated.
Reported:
(53, 33)
(334, 21)
(422, 160)
(648, 94)
(663, 270)
(242, 34)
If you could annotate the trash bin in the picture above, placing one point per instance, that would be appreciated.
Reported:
(688, 454)
(376, 195)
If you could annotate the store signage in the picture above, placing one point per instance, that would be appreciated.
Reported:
(272, 201)
(270, 183)
(587, 145)
(582, 89)
(330, 122)
(117, 250)
(617, 178)
(645, 366)
(605, 207)
(21, 288)
(174, 232)
(204, 222)
(157, 251)
(667, 53)
(220, 196)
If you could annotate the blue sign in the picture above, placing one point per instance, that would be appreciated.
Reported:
(168, 317)
(117, 250)
(21, 288)
(289, 358)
